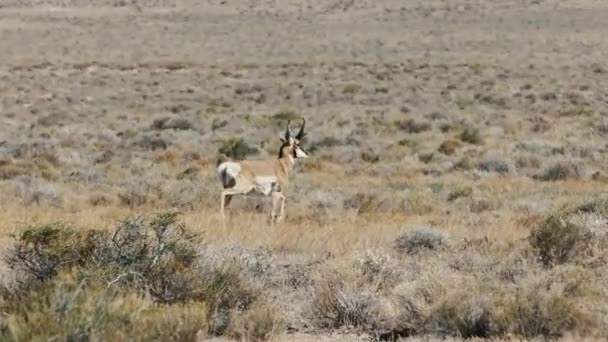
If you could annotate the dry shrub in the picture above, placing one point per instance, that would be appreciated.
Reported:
(463, 313)
(151, 142)
(258, 323)
(493, 163)
(449, 147)
(420, 238)
(419, 203)
(558, 241)
(561, 170)
(362, 202)
(461, 192)
(549, 305)
(41, 251)
(72, 308)
(157, 259)
(39, 168)
(527, 161)
(176, 123)
(539, 314)
(344, 298)
(137, 192)
(33, 191)
(184, 194)
(414, 300)
(412, 126)
(569, 234)
(471, 135)
(377, 268)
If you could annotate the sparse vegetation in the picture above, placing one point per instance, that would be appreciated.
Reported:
(431, 206)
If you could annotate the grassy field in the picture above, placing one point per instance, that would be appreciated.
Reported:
(454, 189)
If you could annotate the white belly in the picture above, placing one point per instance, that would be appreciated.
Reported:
(265, 184)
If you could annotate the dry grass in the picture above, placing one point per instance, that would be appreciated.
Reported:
(432, 204)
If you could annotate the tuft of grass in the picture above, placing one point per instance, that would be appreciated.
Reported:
(421, 238)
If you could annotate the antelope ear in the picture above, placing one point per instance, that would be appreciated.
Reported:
(282, 139)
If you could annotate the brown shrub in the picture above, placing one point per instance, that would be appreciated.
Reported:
(471, 135)
(449, 147)
(412, 126)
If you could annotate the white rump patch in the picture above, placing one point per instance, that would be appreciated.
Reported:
(265, 184)
(232, 169)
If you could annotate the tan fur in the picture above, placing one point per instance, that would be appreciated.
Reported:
(269, 177)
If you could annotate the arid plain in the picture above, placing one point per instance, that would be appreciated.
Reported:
(455, 185)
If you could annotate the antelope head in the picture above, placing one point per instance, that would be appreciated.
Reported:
(291, 144)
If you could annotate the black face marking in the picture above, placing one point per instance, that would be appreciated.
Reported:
(285, 144)
(294, 148)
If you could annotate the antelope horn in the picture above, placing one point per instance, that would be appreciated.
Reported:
(301, 133)
(287, 132)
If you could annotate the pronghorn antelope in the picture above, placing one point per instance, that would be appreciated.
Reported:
(265, 177)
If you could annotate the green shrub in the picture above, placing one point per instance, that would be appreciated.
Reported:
(40, 251)
(158, 259)
(237, 149)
